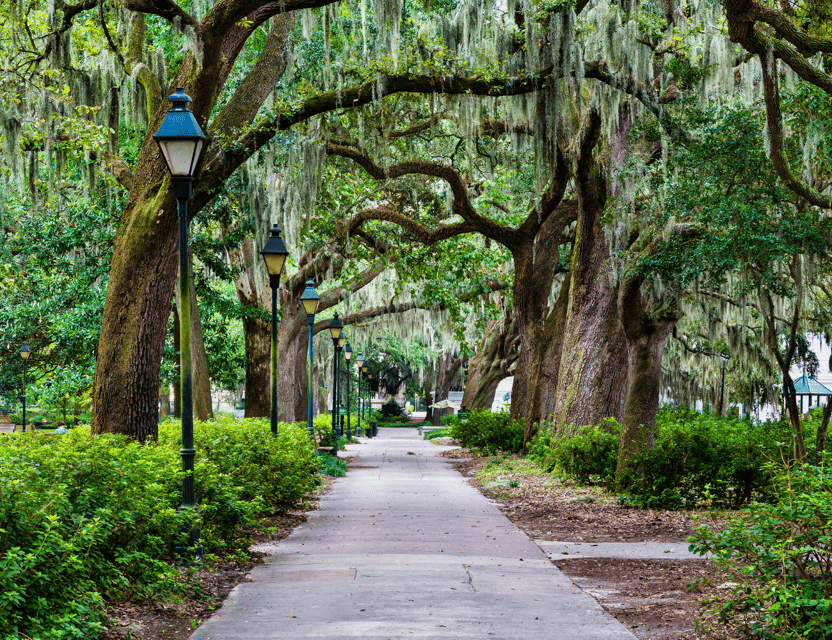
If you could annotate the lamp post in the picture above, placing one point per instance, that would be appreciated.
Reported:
(722, 385)
(360, 362)
(181, 141)
(274, 253)
(310, 299)
(342, 342)
(365, 370)
(347, 356)
(335, 327)
(370, 395)
(24, 353)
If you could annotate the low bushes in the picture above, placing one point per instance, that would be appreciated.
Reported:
(487, 431)
(589, 457)
(696, 459)
(779, 557)
(87, 519)
(703, 458)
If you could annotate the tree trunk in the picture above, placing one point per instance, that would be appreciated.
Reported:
(177, 395)
(642, 404)
(491, 364)
(646, 331)
(593, 367)
(555, 324)
(820, 437)
(257, 338)
(125, 394)
(164, 401)
(526, 390)
(200, 376)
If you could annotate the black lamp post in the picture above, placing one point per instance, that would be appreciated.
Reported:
(342, 342)
(310, 300)
(360, 362)
(274, 253)
(181, 141)
(365, 370)
(347, 356)
(335, 331)
(24, 353)
(370, 395)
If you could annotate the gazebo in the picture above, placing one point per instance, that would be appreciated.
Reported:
(806, 386)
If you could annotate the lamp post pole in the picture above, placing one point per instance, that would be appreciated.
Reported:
(364, 370)
(274, 253)
(342, 341)
(370, 396)
(359, 361)
(24, 353)
(335, 327)
(347, 356)
(181, 140)
(310, 299)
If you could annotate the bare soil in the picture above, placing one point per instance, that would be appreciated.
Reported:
(655, 599)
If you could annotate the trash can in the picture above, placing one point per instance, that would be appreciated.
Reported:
(374, 427)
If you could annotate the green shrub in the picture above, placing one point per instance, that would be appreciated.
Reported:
(779, 555)
(391, 409)
(436, 433)
(704, 458)
(487, 431)
(329, 465)
(322, 425)
(696, 459)
(591, 455)
(87, 519)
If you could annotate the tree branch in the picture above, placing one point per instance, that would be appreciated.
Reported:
(775, 132)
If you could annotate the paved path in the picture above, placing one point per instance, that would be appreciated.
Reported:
(403, 547)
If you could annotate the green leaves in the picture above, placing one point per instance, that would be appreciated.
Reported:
(778, 556)
(85, 519)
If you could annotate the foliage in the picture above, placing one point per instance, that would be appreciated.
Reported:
(487, 431)
(329, 465)
(86, 519)
(391, 409)
(704, 458)
(322, 425)
(590, 456)
(778, 556)
(696, 459)
(436, 433)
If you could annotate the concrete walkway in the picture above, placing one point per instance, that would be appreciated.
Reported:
(403, 547)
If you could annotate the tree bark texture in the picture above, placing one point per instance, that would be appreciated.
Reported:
(200, 375)
(593, 367)
(492, 363)
(144, 264)
(646, 338)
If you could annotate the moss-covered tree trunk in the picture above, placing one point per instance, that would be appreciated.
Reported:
(144, 262)
(292, 357)
(496, 353)
(593, 366)
(647, 332)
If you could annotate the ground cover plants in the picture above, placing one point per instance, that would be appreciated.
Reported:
(779, 557)
(89, 520)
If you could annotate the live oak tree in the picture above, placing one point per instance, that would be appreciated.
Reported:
(545, 54)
